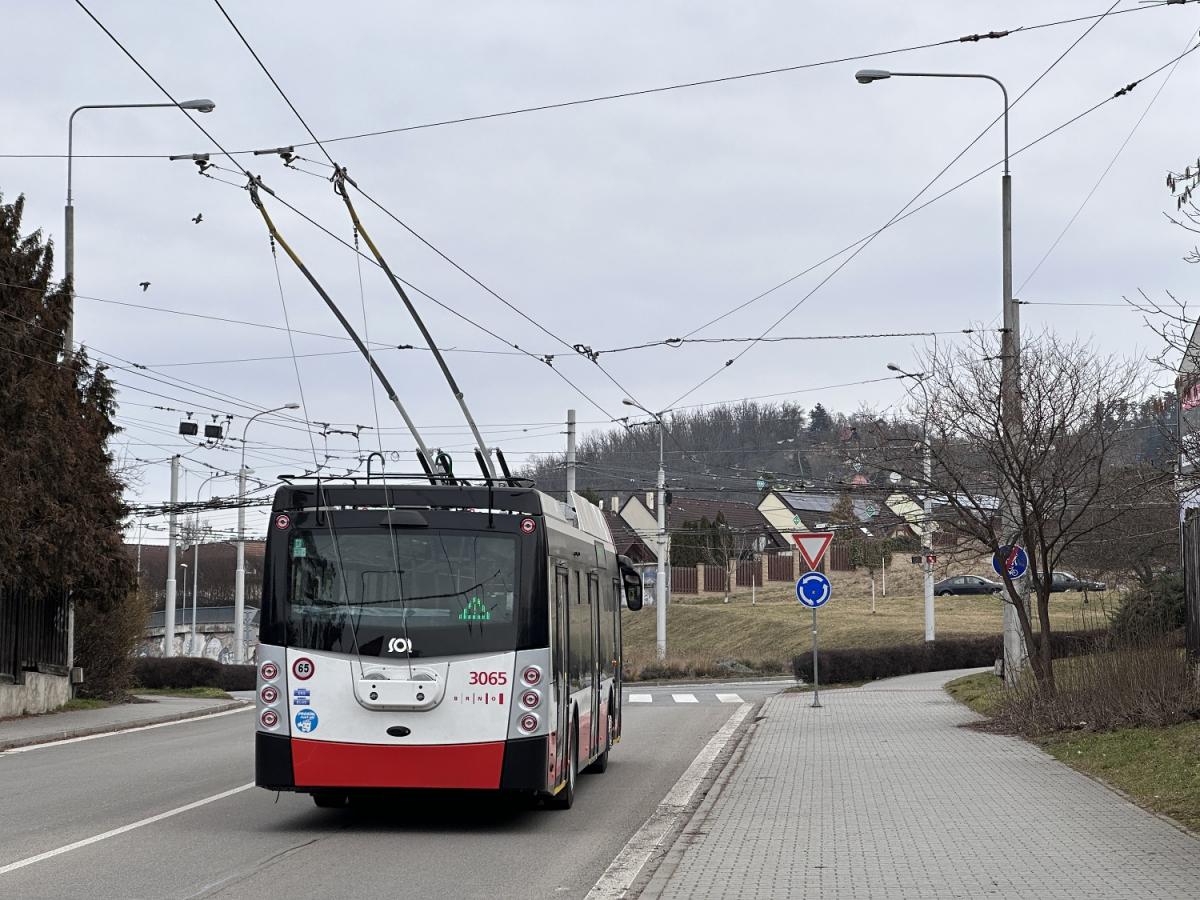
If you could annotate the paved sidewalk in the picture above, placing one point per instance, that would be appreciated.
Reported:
(880, 794)
(81, 722)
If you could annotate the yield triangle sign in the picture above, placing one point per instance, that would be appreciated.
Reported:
(813, 545)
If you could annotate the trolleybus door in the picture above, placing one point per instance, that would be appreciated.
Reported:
(562, 680)
(593, 590)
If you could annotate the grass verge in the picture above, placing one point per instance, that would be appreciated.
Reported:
(1157, 767)
(196, 693)
(82, 703)
(982, 692)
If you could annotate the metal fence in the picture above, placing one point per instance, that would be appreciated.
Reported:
(34, 631)
(749, 572)
(781, 567)
(683, 580)
(714, 579)
(1191, 578)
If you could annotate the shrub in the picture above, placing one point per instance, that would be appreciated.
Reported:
(177, 672)
(1146, 682)
(238, 678)
(868, 664)
(1154, 609)
(107, 629)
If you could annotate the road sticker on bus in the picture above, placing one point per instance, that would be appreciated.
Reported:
(301, 697)
(303, 668)
(306, 721)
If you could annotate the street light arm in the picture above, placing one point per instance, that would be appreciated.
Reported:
(990, 78)
(205, 106)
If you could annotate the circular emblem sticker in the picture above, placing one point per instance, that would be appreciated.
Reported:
(303, 668)
(282, 521)
(306, 721)
(270, 718)
(270, 671)
(269, 694)
(528, 526)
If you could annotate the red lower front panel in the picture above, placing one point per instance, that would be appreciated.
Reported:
(331, 764)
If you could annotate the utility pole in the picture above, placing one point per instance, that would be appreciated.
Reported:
(239, 575)
(1015, 651)
(195, 587)
(927, 539)
(169, 610)
(660, 586)
(571, 452)
(664, 547)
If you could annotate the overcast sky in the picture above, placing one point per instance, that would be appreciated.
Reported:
(610, 223)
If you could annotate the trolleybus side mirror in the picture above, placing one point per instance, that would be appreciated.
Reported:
(633, 591)
(631, 581)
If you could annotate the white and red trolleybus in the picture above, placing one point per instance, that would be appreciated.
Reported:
(437, 636)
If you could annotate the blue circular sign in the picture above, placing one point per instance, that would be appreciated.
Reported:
(813, 589)
(306, 721)
(1012, 558)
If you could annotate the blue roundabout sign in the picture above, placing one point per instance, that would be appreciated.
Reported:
(813, 589)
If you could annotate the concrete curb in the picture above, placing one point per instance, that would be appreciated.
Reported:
(665, 859)
(66, 734)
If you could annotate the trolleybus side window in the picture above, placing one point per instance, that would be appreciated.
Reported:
(580, 638)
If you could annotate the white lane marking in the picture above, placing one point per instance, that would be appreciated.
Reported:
(729, 698)
(30, 860)
(104, 734)
(622, 871)
(684, 698)
(641, 698)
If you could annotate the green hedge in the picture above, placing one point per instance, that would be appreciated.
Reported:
(192, 671)
(944, 653)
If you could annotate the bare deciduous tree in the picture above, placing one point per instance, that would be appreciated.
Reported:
(1047, 485)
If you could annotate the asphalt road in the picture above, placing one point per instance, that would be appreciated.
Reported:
(250, 844)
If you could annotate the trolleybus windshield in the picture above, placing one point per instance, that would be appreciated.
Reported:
(389, 592)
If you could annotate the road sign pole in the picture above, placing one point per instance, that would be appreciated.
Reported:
(816, 676)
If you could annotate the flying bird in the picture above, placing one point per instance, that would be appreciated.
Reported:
(145, 286)
(198, 218)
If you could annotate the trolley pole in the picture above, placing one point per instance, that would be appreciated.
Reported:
(239, 575)
(173, 537)
(571, 452)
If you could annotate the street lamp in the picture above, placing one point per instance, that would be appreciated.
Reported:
(239, 579)
(196, 562)
(1010, 342)
(171, 633)
(660, 584)
(203, 105)
(927, 523)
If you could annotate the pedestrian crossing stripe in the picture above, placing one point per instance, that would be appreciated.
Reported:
(684, 698)
(729, 698)
(641, 698)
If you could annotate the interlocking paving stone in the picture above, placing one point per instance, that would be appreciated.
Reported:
(880, 794)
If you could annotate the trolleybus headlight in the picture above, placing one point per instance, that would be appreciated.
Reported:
(269, 694)
(529, 722)
(532, 675)
(269, 671)
(530, 699)
(269, 718)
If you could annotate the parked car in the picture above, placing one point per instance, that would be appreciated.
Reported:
(1068, 581)
(966, 584)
